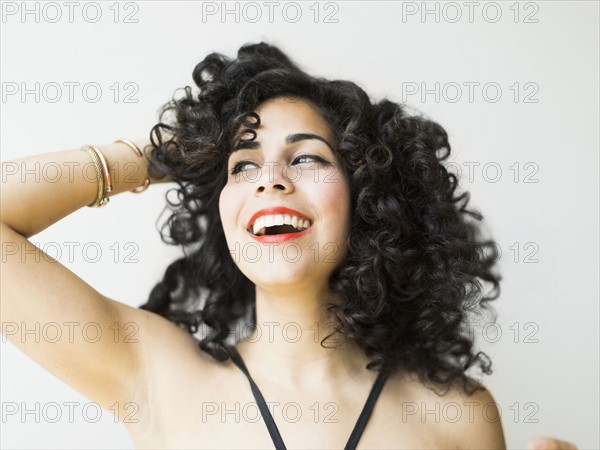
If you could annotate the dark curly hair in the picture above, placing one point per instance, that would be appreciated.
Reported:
(415, 263)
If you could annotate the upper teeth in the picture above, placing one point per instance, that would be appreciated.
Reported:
(279, 219)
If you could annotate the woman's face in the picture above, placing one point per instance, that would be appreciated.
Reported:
(289, 170)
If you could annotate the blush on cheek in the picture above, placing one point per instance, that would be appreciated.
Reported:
(335, 196)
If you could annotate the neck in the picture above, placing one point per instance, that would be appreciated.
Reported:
(285, 346)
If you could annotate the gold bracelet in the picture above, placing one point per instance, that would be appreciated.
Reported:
(138, 152)
(103, 177)
(105, 171)
(101, 199)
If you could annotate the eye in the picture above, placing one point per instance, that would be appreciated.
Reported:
(237, 166)
(314, 157)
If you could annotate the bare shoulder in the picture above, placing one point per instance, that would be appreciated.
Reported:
(170, 358)
(158, 338)
(459, 419)
(171, 352)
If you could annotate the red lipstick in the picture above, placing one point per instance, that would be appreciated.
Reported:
(277, 238)
(275, 210)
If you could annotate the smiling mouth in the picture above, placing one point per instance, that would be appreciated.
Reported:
(277, 229)
(279, 224)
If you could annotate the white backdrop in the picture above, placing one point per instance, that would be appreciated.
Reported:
(514, 84)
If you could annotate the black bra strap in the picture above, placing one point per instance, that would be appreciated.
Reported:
(270, 423)
(361, 423)
(262, 405)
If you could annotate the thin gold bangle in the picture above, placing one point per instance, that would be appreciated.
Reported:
(138, 152)
(101, 199)
(105, 171)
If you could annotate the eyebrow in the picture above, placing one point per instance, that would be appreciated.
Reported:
(289, 139)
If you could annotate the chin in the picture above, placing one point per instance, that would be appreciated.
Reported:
(287, 262)
(277, 274)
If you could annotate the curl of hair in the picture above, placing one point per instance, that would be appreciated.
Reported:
(415, 264)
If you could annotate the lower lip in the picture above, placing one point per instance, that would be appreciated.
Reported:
(276, 238)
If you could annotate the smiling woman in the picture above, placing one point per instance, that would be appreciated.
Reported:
(328, 262)
(378, 195)
(387, 268)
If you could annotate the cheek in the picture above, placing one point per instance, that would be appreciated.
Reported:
(334, 202)
(335, 209)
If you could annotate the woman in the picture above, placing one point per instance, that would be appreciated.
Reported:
(329, 272)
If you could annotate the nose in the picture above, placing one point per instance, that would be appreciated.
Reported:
(276, 177)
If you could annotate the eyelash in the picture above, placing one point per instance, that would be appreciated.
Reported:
(242, 163)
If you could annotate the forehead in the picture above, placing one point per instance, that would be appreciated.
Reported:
(291, 114)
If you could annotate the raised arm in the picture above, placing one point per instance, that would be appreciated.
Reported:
(91, 342)
(32, 200)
